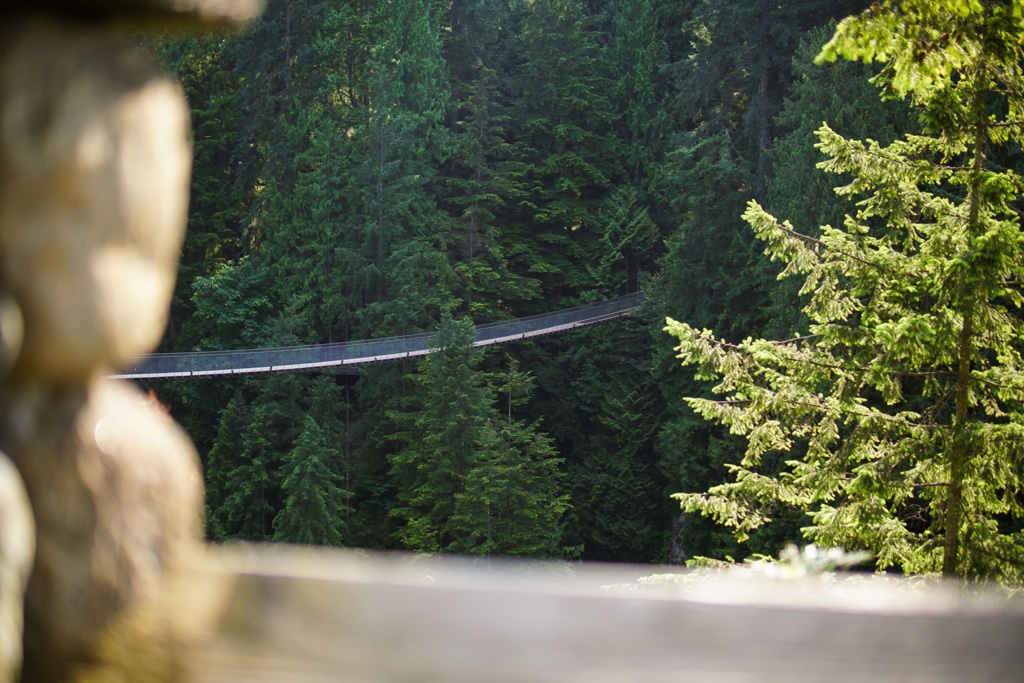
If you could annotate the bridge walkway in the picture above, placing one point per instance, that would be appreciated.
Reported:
(345, 356)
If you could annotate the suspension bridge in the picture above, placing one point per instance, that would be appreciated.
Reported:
(344, 357)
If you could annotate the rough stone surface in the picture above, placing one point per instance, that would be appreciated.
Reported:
(95, 158)
(116, 490)
(94, 171)
(17, 544)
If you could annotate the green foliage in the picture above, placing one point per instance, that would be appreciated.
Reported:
(363, 166)
(841, 93)
(637, 52)
(215, 227)
(483, 180)
(249, 487)
(628, 238)
(469, 481)
(561, 116)
(231, 307)
(314, 509)
(901, 409)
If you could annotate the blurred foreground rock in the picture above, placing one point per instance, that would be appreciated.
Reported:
(95, 157)
(17, 541)
(116, 490)
(94, 171)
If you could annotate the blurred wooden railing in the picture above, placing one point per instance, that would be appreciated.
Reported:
(300, 616)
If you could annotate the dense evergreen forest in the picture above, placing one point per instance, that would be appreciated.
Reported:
(367, 168)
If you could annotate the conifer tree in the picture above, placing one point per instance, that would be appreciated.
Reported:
(250, 485)
(395, 254)
(468, 480)
(481, 186)
(840, 92)
(900, 411)
(442, 438)
(561, 122)
(315, 506)
(637, 53)
(600, 408)
(223, 457)
(628, 240)
(512, 504)
(216, 204)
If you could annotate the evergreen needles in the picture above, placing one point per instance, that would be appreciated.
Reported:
(901, 408)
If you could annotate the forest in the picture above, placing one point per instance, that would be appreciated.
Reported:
(368, 168)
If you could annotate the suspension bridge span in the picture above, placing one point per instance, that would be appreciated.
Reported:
(346, 356)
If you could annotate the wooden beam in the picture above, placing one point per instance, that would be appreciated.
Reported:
(301, 616)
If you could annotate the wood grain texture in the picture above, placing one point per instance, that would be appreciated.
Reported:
(297, 616)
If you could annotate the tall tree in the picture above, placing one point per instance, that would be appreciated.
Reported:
(482, 183)
(216, 202)
(512, 503)
(637, 53)
(561, 117)
(250, 484)
(442, 438)
(395, 255)
(901, 410)
(843, 94)
(314, 509)
(470, 481)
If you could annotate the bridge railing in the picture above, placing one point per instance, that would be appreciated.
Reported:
(293, 358)
(290, 614)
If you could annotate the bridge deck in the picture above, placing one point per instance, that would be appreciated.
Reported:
(347, 355)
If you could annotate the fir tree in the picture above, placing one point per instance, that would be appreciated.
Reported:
(469, 481)
(561, 121)
(314, 509)
(443, 437)
(637, 53)
(901, 409)
(250, 485)
(482, 185)
(223, 458)
(512, 504)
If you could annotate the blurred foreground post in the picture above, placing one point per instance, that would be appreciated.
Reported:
(94, 171)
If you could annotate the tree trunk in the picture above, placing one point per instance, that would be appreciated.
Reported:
(961, 447)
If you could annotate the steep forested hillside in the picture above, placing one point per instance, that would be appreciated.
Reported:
(369, 168)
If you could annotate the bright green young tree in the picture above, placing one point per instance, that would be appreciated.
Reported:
(902, 408)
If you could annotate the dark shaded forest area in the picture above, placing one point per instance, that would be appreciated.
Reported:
(366, 169)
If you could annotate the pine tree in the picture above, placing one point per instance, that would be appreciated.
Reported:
(468, 480)
(512, 503)
(561, 120)
(900, 411)
(731, 81)
(250, 485)
(314, 509)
